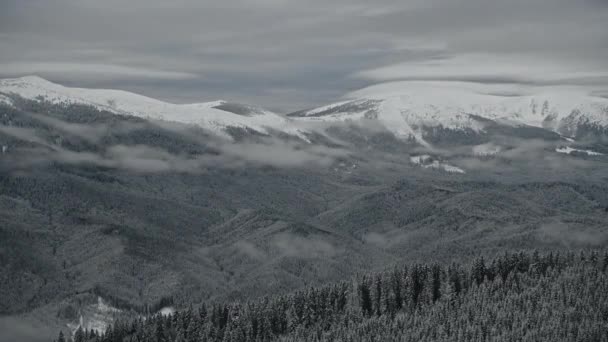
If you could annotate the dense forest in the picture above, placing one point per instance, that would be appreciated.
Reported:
(515, 297)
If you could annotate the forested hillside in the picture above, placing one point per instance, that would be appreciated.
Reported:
(515, 297)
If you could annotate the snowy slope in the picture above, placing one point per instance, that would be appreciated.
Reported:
(405, 108)
(126, 103)
(95, 317)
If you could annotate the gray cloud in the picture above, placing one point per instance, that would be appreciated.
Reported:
(25, 134)
(377, 239)
(91, 133)
(146, 159)
(303, 247)
(491, 68)
(25, 330)
(283, 154)
(98, 72)
(287, 54)
(572, 236)
(525, 158)
(149, 159)
(250, 250)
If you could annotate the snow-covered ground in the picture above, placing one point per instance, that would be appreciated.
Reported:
(100, 315)
(126, 103)
(485, 150)
(96, 316)
(321, 109)
(569, 150)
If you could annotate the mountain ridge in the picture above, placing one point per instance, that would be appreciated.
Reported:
(412, 109)
(214, 116)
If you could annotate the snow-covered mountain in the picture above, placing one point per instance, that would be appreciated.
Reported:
(215, 116)
(412, 109)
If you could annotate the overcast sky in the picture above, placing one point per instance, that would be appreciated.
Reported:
(293, 54)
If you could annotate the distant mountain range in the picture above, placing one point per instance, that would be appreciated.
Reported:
(416, 111)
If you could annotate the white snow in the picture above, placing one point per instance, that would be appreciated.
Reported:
(421, 159)
(569, 150)
(447, 167)
(6, 100)
(126, 103)
(485, 150)
(100, 315)
(405, 106)
(311, 115)
(324, 108)
(427, 162)
(96, 316)
(167, 311)
(396, 121)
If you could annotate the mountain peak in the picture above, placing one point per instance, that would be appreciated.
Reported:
(409, 108)
(216, 116)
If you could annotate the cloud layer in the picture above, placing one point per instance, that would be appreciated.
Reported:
(34, 147)
(287, 54)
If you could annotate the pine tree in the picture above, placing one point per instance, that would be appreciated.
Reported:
(79, 335)
(479, 270)
(416, 284)
(378, 295)
(545, 110)
(192, 331)
(160, 330)
(397, 288)
(366, 298)
(567, 302)
(435, 282)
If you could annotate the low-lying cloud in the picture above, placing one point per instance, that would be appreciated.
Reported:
(303, 247)
(144, 158)
(572, 236)
(14, 329)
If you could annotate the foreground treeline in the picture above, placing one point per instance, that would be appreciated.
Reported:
(516, 297)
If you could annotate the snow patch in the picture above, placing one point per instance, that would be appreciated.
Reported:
(428, 162)
(167, 311)
(96, 317)
(419, 160)
(569, 150)
(6, 100)
(486, 150)
(325, 108)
